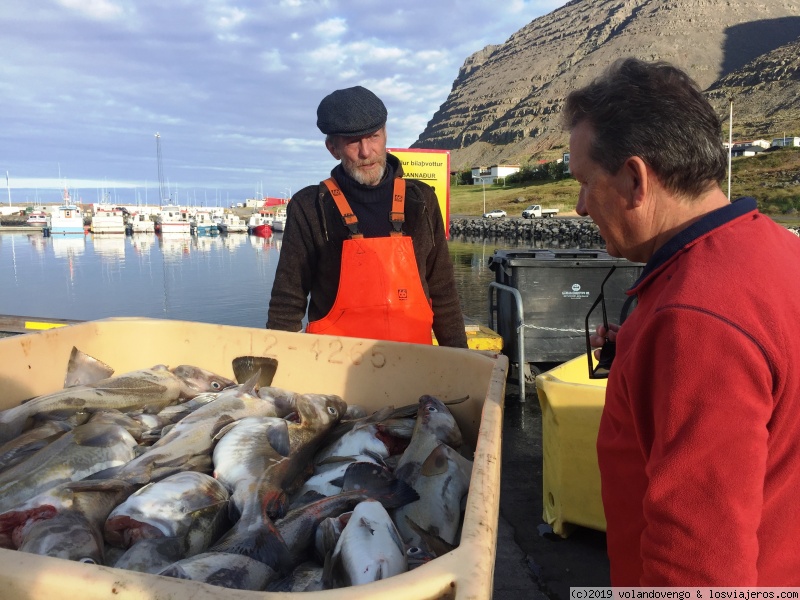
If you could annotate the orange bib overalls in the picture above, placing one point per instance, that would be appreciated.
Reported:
(380, 295)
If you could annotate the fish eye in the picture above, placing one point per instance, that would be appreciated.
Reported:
(88, 560)
(413, 550)
(432, 408)
(332, 411)
(216, 385)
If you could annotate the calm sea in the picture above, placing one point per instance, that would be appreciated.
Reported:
(219, 279)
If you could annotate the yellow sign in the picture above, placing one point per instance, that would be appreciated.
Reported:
(432, 167)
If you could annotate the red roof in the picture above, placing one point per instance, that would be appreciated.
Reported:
(274, 201)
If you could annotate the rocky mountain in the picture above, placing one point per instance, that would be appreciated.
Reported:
(505, 103)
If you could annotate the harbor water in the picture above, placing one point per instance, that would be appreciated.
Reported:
(211, 279)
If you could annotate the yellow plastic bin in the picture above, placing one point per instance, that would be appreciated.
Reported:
(571, 406)
(366, 372)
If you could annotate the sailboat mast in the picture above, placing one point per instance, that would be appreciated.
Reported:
(161, 189)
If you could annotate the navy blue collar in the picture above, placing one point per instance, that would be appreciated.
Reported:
(711, 221)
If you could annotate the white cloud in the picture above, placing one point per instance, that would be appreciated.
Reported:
(95, 9)
(271, 61)
(331, 28)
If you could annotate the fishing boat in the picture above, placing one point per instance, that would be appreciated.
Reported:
(67, 218)
(37, 218)
(109, 219)
(278, 219)
(231, 223)
(140, 222)
(204, 223)
(173, 219)
(259, 225)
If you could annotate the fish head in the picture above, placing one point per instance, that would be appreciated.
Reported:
(195, 380)
(320, 411)
(435, 418)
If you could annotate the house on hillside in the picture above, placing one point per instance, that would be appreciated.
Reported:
(490, 175)
(787, 140)
(747, 150)
(745, 143)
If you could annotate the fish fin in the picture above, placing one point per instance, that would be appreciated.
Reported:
(328, 580)
(175, 571)
(221, 433)
(308, 497)
(436, 463)
(432, 543)
(274, 503)
(245, 366)
(83, 369)
(278, 438)
(378, 483)
(265, 545)
(333, 460)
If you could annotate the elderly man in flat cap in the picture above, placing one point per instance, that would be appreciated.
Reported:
(365, 250)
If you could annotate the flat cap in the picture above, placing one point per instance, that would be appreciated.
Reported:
(352, 111)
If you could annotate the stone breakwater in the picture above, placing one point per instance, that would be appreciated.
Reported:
(578, 232)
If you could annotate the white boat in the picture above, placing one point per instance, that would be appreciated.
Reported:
(37, 218)
(141, 223)
(204, 223)
(108, 219)
(278, 219)
(173, 219)
(230, 223)
(67, 218)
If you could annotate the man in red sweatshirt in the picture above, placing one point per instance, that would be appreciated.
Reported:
(699, 442)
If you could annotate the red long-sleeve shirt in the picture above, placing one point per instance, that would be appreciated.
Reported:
(699, 442)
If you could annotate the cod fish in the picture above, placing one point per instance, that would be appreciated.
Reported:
(187, 446)
(244, 451)
(187, 505)
(93, 499)
(362, 481)
(231, 571)
(150, 389)
(77, 454)
(68, 535)
(30, 442)
(288, 454)
(369, 548)
(438, 473)
(150, 555)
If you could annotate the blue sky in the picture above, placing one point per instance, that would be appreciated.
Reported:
(231, 86)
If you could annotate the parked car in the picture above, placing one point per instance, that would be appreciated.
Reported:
(494, 214)
(536, 211)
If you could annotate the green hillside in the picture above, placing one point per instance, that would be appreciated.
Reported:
(773, 178)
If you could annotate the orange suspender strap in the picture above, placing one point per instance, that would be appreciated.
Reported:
(397, 216)
(350, 220)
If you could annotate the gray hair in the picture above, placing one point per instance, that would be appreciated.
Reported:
(657, 112)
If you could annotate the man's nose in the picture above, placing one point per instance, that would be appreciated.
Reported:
(580, 208)
(363, 148)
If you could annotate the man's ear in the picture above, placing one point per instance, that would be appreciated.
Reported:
(332, 149)
(638, 176)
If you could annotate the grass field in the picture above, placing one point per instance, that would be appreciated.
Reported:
(773, 178)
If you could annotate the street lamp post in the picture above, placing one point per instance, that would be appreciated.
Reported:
(730, 146)
(483, 183)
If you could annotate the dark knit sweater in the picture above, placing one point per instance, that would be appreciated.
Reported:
(311, 253)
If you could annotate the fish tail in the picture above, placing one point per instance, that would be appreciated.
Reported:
(378, 483)
(12, 422)
(265, 545)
